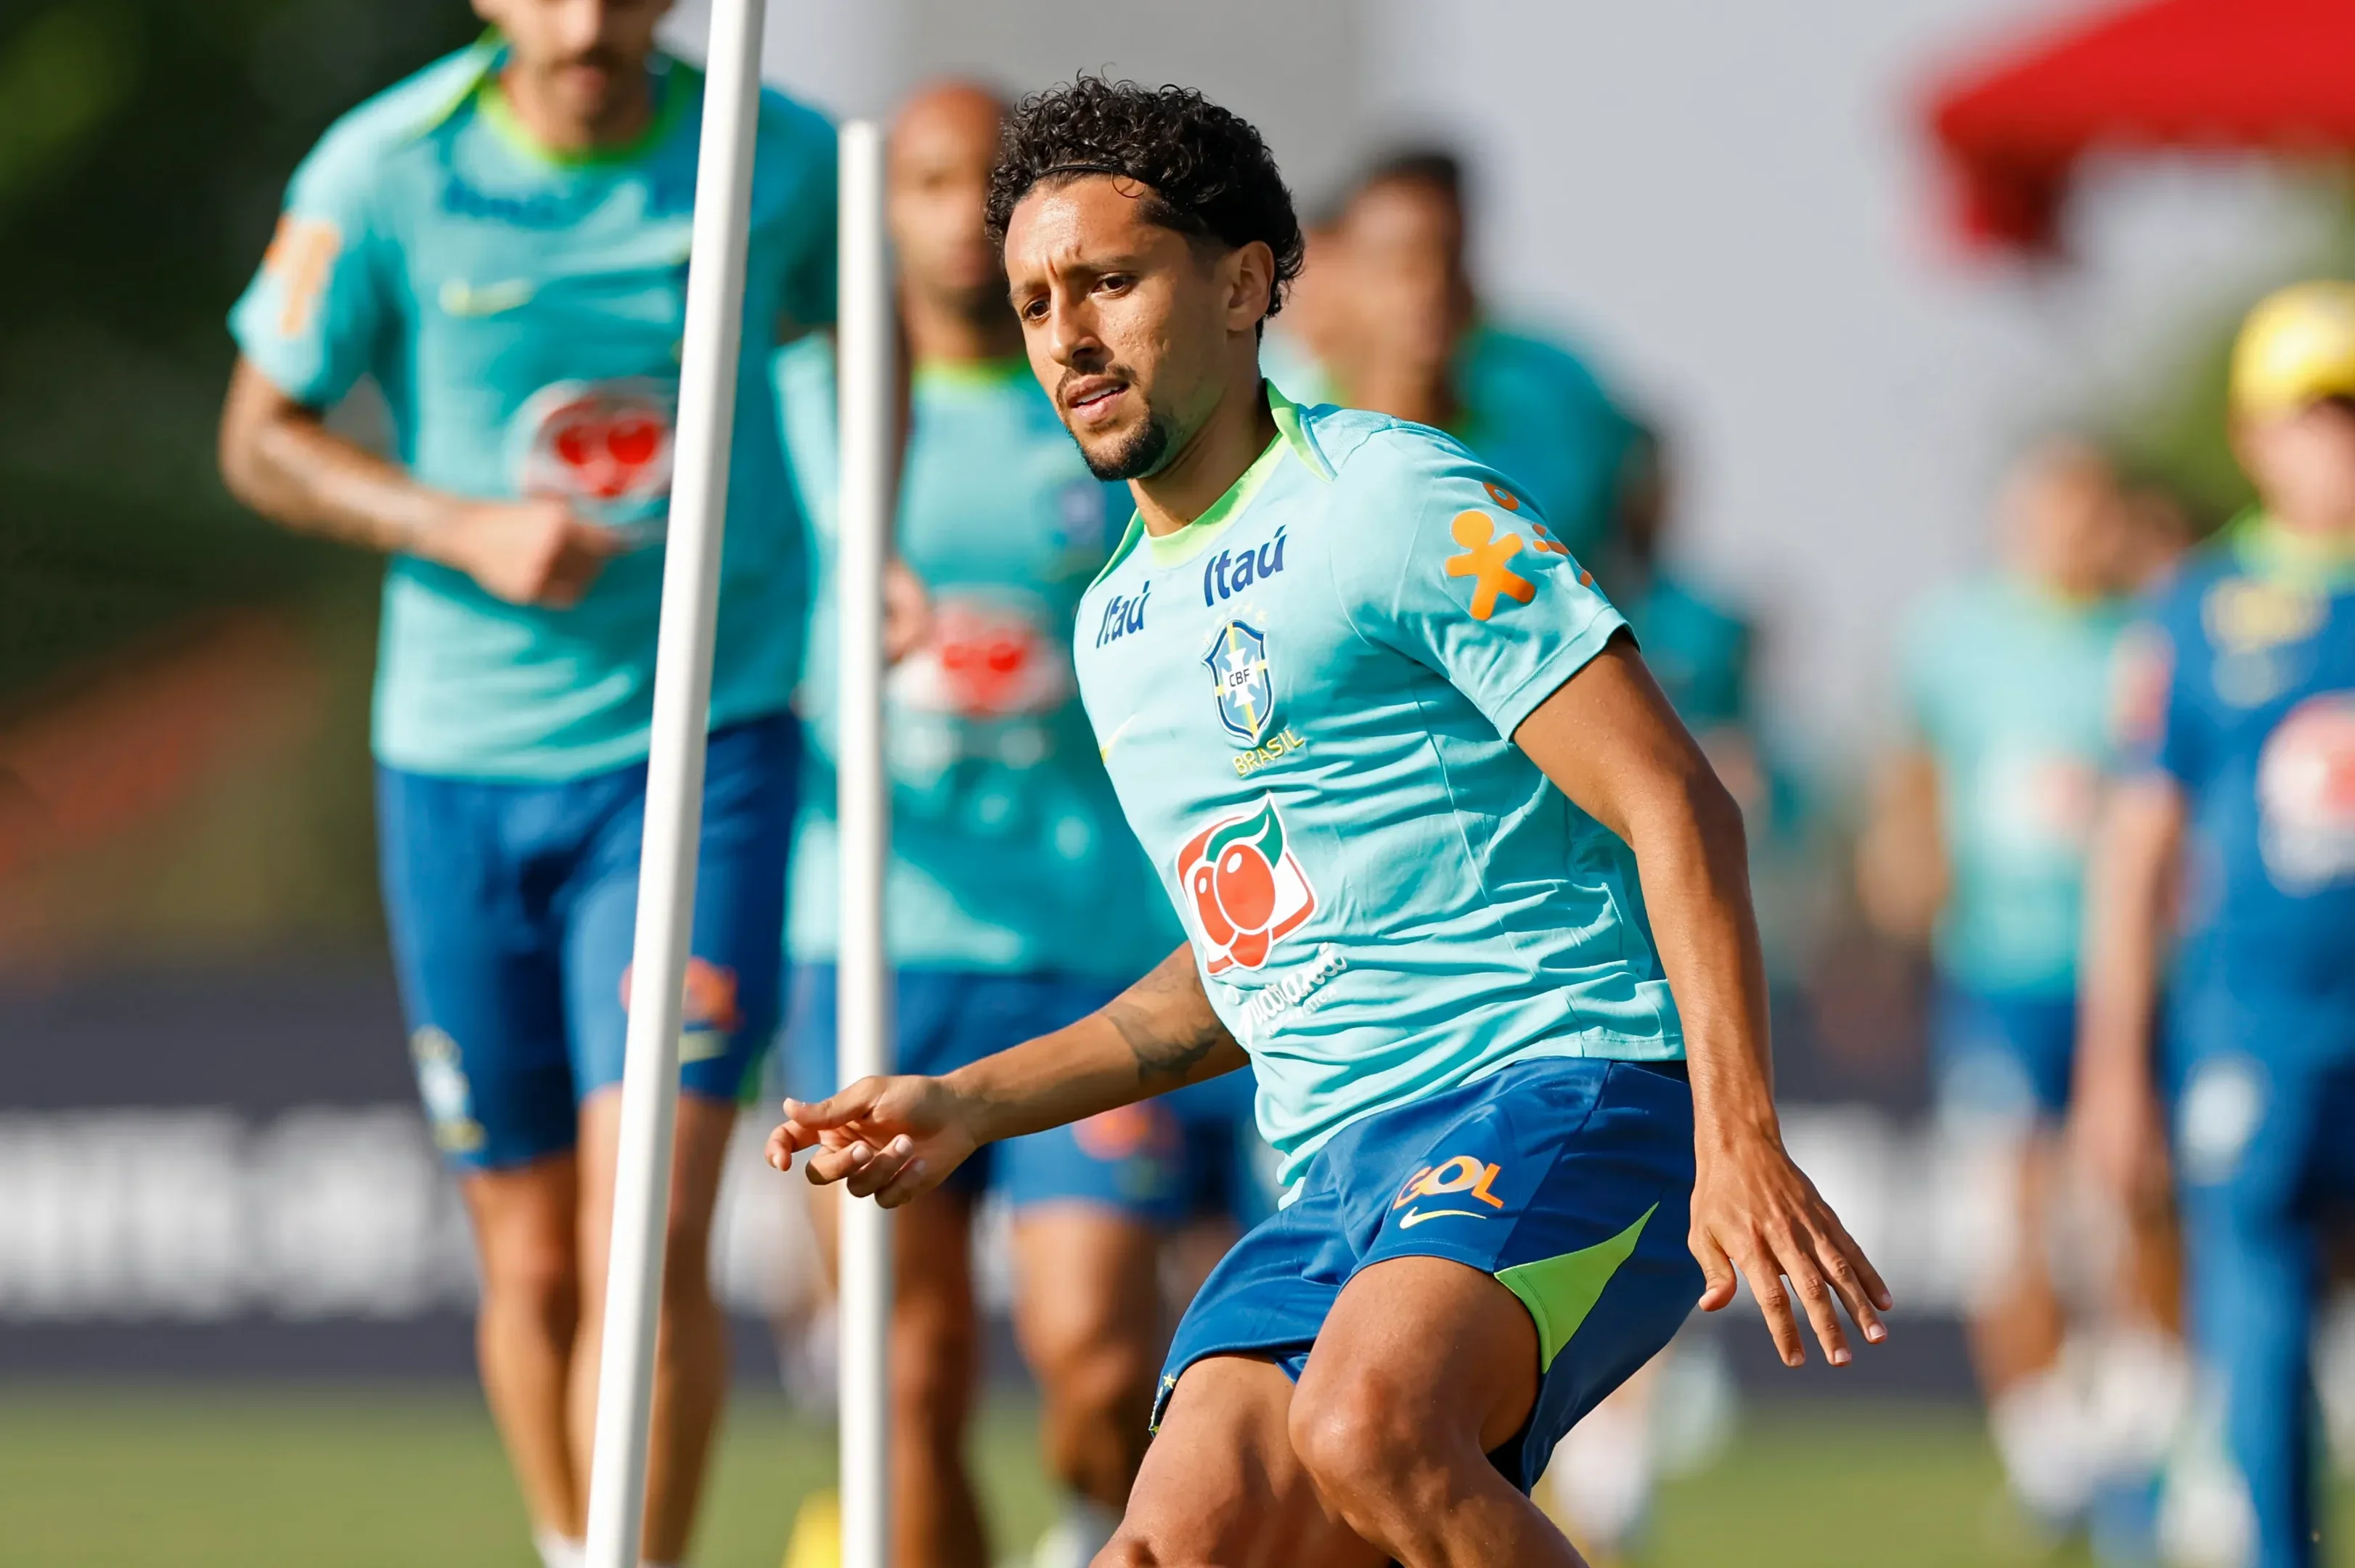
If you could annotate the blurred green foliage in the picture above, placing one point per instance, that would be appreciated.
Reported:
(143, 144)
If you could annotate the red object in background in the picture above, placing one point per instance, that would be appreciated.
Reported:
(2276, 75)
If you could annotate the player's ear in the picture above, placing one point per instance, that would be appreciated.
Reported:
(1250, 277)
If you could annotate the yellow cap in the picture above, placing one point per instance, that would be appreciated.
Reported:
(2296, 347)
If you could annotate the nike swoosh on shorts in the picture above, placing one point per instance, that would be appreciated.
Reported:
(1415, 1217)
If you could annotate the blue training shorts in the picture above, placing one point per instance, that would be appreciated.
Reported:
(513, 909)
(1162, 1160)
(1568, 1180)
(2004, 1053)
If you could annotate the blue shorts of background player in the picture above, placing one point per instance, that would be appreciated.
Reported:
(2005, 1055)
(1568, 1180)
(513, 909)
(1162, 1161)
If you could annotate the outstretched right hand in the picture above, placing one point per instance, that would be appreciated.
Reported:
(892, 1139)
(536, 552)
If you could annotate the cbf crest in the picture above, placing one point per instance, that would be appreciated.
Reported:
(1239, 676)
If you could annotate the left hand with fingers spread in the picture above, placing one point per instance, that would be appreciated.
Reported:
(891, 1139)
(1755, 1211)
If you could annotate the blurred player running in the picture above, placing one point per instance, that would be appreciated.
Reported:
(2239, 701)
(1403, 334)
(1412, 792)
(501, 243)
(1982, 826)
(1019, 898)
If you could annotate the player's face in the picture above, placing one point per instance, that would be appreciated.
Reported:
(940, 154)
(2069, 523)
(1409, 296)
(2303, 464)
(1132, 328)
(585, 51)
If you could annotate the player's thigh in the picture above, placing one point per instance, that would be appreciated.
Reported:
(1418, 1353)
(735, 972)
(1220, 1483)
(525, 1221)
(1087, 1291)
(699, 1154)
(480, 968)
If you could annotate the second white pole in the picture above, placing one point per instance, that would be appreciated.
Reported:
(863, 809)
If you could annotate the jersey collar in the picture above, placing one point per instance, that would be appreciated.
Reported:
(2266, 549)
(1176, 549)
(670, 82)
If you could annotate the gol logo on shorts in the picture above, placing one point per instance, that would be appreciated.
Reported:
(1459, 1174)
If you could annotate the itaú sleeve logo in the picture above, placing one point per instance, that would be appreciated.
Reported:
(1245, 887)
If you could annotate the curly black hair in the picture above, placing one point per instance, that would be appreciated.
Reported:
(1207, 173)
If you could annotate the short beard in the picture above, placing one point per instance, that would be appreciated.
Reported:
(1139, 457)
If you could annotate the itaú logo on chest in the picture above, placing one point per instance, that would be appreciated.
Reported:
(1245, 887)
(1230, 572)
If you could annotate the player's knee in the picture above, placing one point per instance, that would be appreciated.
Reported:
(535, 1277)
(1100, 1378)
(1354, 1439)
(934, 1355)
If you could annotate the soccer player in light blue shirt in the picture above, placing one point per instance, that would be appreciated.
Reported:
(1983, 823)
(500, 244)
(1017, 900)
(1412, 793)
(1399, 328)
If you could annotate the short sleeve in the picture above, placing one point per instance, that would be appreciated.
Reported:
(807, 292)
(1475, 585)
(314, 315)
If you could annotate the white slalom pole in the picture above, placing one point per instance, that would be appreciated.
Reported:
(674, 810)
(864, 1031)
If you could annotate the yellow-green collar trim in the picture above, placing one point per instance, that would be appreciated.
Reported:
(669, 104)
(2269, 551)
(970, 373)
(1176, 549)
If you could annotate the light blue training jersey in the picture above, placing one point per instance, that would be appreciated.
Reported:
(2008, 686)
(521, 311)
(1306, 700)
(1008, 851)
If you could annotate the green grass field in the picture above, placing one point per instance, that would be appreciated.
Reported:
(362, 1478)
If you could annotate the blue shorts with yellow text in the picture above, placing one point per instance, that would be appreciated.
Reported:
(1570, 1179)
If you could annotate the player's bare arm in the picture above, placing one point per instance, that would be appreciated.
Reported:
(278, 456)
(896, 1138)
(1752, 1209)
(2114, 1125)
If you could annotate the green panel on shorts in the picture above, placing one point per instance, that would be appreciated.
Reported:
(1560, 1291)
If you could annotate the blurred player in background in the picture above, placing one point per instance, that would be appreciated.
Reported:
(1395, 318)
(1019, 900)
(1412, 790)
(2239, 700)
(501, 243)
(1981, 829)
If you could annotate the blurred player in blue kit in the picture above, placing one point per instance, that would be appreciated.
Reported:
(2233, 837)
(1458, 888)
(1982, 825)
(500, 243)
(1019, 898)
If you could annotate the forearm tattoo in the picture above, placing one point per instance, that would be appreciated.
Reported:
(1167, 1022)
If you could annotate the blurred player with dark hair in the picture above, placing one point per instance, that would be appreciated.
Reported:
(1407, 338)
(1981, 829)
(1019, 900)
(2239, 700)
(501, 243)
(1412, 791)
